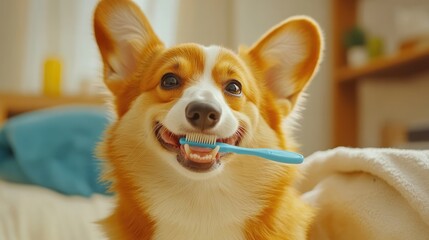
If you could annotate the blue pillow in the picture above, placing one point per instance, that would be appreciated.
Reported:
(54, 148)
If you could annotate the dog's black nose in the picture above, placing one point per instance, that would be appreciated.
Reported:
(203, 115)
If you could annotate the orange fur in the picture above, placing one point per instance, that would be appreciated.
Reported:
(134, 62)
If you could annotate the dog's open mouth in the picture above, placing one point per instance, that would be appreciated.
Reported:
(197, 159)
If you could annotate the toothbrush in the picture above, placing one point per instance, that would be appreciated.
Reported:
(209, 141)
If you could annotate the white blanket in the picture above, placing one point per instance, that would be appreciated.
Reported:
(31, 212)
(368, 193)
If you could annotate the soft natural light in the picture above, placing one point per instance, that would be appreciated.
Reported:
(63, 30)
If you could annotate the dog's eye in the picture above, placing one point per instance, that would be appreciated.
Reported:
(170, 81)
(233, 87)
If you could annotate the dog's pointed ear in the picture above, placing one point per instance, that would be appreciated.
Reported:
(288, 56)
(122, 33)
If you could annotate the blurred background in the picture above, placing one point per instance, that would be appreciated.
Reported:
(372, 88)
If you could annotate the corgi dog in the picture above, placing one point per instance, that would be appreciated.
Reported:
(168, 191)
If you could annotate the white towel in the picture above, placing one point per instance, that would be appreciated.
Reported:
(368, 193)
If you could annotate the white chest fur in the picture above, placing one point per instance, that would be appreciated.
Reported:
(215, 208)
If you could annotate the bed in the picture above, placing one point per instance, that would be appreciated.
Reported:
(34, 212)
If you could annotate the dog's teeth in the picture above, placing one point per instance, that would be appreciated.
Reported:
(187, 149)
(214, 152)
(198, 158)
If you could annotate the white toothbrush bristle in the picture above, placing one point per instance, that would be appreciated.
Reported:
(201, 138)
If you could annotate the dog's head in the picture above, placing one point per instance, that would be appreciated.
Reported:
(162, 94)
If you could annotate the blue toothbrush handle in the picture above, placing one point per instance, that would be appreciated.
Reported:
(272, 154)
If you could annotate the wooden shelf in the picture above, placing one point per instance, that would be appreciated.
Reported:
(345, 80)
(14, 104)
(401, 64)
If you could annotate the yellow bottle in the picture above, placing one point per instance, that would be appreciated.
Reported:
(52, 77)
